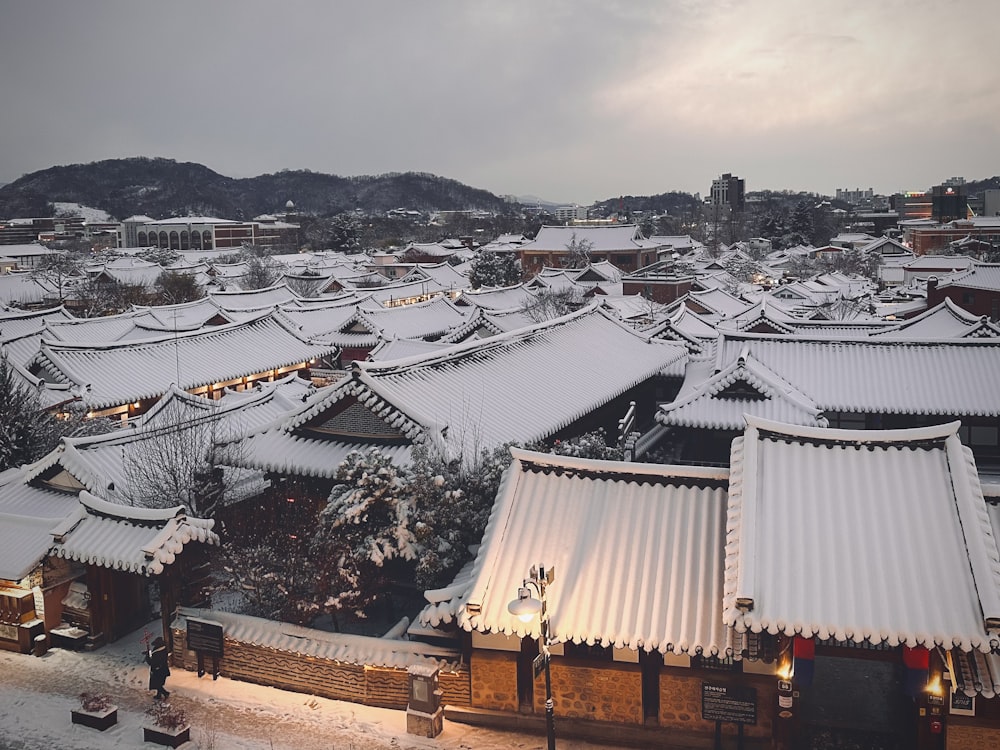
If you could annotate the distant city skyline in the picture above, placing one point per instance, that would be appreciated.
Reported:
(571, 101)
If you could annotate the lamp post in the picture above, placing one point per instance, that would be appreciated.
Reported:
(525, 607)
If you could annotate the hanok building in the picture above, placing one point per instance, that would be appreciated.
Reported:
(622, 245)
(869, 382)
(859, 579)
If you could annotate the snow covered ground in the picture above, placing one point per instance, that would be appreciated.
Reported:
(38, 693)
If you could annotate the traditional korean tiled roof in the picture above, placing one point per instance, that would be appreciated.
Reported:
(860, 535)
(403, 349)
(136, 540)
(392, 293)
(946, 320)
(444, 274)
(719, 302)
(500, 298)
(514, 387)
(980, 276)
(98, 462)
(638, 559)
(603, 239)
(480, 324)
(253, 299)
(22, 289)
(112, 374)
(17, 323)
(955, 377)
(745, 387)
(105, 329)
(321, 644)
(521, 386)
(27, 515)
(423, 320)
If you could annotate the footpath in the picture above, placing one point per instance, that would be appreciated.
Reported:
(37, 694)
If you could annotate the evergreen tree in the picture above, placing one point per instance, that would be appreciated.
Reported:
(494, 269)
(364, 527)
(27, 432)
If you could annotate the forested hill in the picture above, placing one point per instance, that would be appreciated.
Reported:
(161, 188)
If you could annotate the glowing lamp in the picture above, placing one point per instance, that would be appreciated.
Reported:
(525, 607)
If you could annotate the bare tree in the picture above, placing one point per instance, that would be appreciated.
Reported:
(577, 252)
(550, 304)
(181, 462)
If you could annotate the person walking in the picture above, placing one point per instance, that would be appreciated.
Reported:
(159, 670)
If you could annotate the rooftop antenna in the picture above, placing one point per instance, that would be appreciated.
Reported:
(177, 354)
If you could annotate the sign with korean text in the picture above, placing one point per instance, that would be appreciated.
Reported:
(204, 636)
(731, 703)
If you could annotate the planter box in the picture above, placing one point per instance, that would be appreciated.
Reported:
(100, 721)
(168, 737)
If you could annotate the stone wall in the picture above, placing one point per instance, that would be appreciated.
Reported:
(963, 736)
(680, 701)
(494, 680)
(608, 692)
(375, 686)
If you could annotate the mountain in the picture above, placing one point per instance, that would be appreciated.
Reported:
(161, 188)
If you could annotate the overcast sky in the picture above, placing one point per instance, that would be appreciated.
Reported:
(569, 100)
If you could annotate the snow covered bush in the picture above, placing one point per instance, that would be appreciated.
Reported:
(95, 703)
(166, 716)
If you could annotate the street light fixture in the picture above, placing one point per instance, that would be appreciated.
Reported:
(525, 607)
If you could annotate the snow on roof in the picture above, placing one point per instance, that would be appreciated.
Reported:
(185, 220)
(945, 263)
(602, 239)
(431, 319)
(21, 289)
(954, 377)
(719, 302)
(745, 387)
(253, 299)
(980, 276)
(946, 320)
(136, 540)
(17, 323)
(403, 348)
(515, 386)
(321, 644)
(499, 298)
(878, 535)
(113, 374)
(445, 274)
(104, 329)
(638, 561)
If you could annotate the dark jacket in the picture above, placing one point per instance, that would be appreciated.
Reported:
(158, 667)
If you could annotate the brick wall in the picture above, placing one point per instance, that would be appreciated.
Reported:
(375, 686)
(494, 680)
(609, 692)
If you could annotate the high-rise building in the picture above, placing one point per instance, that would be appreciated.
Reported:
(949, 202)
(728, 190)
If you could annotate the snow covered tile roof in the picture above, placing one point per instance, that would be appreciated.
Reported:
(281, 451)
(403, 348)
(113, 374)
(720, 302)
(136, 540)
(860, 535)
(253, 299)
(524, 385)
(603, 239)
(92, 330)
(499, 298)
(955, 377)
(946, 320)
(745, 387)
(24, 543)
(444, 274)
(980, 276)
(17, 323)
(392, 293)
(21, 289)
(638, 558)
(184, 316)
(429, 319)
(321, 644)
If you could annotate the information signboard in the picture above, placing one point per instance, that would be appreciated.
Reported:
(204, 636)
(728, 703)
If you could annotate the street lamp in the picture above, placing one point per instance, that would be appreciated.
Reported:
(525, 607)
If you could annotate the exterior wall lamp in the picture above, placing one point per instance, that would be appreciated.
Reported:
(525, 607)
